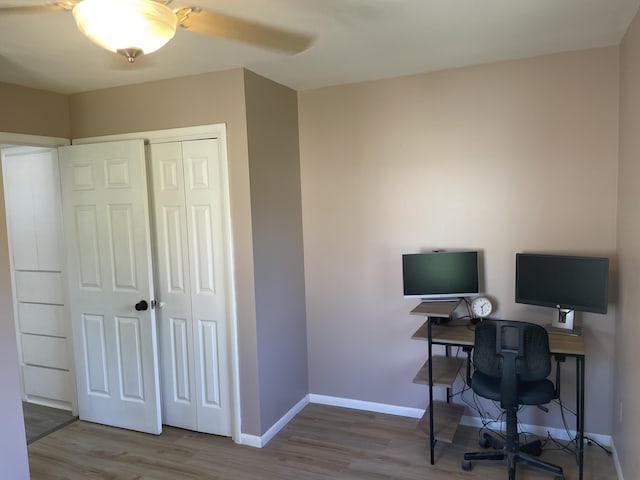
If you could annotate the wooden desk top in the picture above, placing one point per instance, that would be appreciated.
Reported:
(459, 332)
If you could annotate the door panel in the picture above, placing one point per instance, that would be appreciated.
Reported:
(122, 248)
(180, 360)
(86, 227)
(175, 329)
(204, 207)
(95, 354)
(187, 201)
(109, 256)
(209, 365)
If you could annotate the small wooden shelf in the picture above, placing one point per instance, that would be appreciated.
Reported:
(446, 419)
(436, 309)
(422, 333)
(444, 369)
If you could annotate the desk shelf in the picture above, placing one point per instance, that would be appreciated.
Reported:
(422, 333)
(446, 419)
(445, 370)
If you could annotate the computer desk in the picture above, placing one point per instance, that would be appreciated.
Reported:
(457, 333)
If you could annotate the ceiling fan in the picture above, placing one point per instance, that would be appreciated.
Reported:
(136, 27)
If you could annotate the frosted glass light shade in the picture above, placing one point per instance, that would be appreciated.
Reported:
(118, 25)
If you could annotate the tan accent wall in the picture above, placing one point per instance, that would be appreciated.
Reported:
(13, 445)
(506, 157)
(627, 393)
(182, 102)
(274, 171)
(34, 112)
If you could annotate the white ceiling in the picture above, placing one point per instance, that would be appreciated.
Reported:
(355, 40)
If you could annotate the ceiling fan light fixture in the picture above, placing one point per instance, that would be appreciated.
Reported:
(126, 25)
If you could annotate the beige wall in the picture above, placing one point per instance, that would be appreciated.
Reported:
(274, 170)
(35, 112)
(628, 319)
(13, 445)
(190, 101)
(507, 157)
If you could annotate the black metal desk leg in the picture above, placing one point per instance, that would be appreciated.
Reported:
(432, 440)
(580, 413)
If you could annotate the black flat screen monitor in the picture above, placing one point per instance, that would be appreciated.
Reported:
(563, 282)
(440, 275)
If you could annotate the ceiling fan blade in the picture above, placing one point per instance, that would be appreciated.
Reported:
(245, 31)
(45, 7)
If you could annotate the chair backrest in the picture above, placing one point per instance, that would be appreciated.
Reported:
(513, 352)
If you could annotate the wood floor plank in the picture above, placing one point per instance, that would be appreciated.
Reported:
(320, 443)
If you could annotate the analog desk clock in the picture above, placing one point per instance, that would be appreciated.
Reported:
(481, 307)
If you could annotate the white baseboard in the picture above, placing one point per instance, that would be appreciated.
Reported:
(250, 440)
(539, 430)
(261, 441)
(368, 406)
(616, 461)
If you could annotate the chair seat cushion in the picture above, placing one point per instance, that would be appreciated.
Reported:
(529, 393)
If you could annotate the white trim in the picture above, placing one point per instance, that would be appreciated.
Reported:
(162, 136)
(367, 406)
(616, 461)
(250, 440)
(280, 424)
(32, 140)
(259, 442)
(203, 132)
(538, 430)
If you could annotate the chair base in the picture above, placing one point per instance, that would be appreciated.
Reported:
(521, 454)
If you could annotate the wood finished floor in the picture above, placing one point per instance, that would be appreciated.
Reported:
(321, 442)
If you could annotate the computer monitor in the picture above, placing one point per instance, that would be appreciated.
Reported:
(440, 275)
(564, 282)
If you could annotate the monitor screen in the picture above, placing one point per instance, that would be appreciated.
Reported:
(561, 281)
(440, 275)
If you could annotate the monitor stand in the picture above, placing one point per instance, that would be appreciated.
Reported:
(563, 325)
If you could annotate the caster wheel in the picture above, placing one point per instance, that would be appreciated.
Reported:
(466, 466)
(483, 442)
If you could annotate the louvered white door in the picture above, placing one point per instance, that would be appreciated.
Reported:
(190, 280)
(108, 250)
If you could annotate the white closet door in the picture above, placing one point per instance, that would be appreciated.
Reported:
(173, 289)
(106, 220)
(193, 318)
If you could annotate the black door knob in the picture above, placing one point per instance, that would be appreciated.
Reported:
(142, 305)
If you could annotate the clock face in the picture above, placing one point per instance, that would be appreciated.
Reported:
(481, 307)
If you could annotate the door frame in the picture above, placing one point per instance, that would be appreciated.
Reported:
(203, 132)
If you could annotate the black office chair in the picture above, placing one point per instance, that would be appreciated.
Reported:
(511, 364)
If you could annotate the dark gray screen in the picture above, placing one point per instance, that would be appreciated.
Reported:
(575, 283)
(440, 273)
